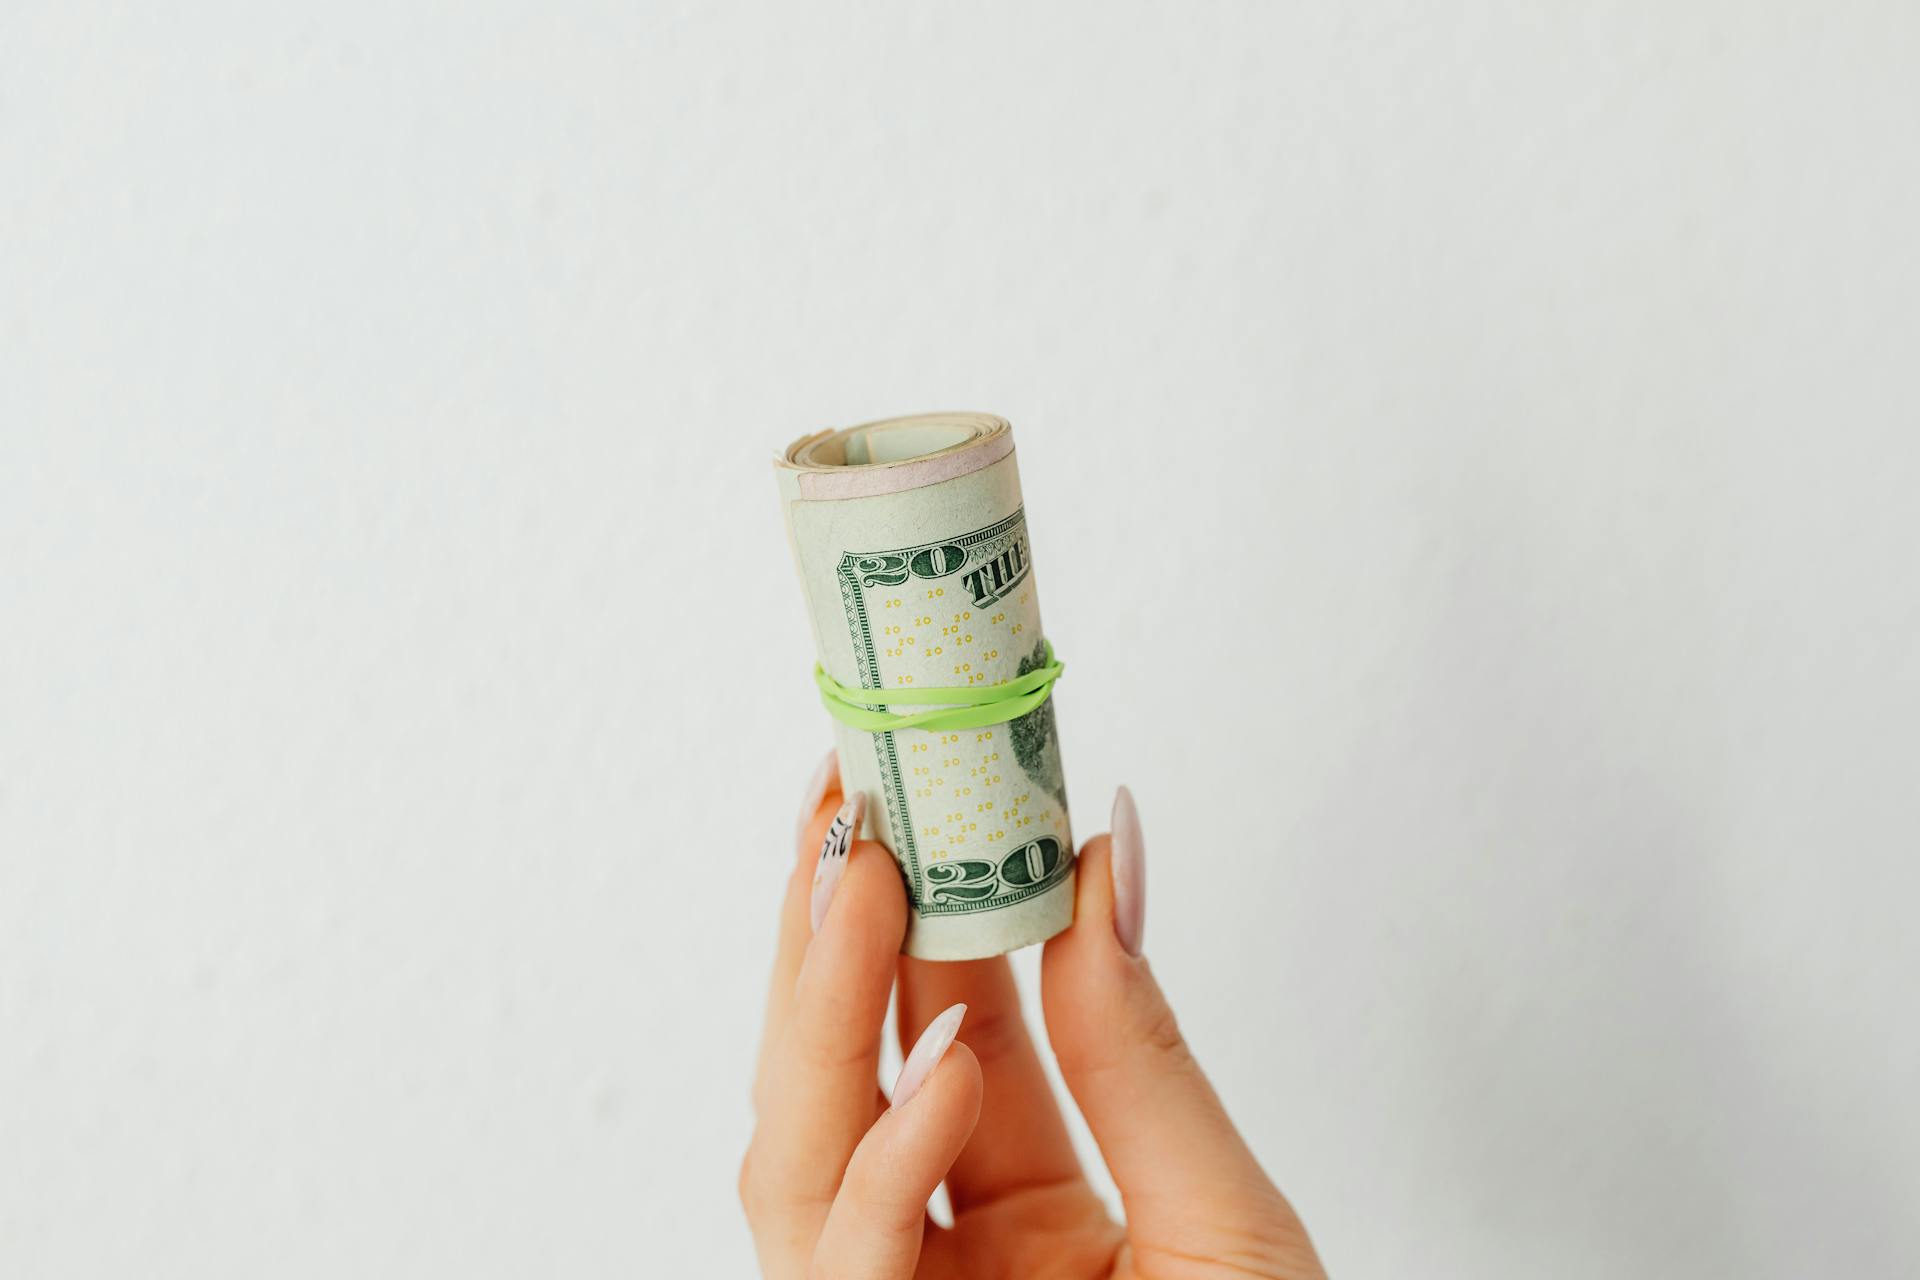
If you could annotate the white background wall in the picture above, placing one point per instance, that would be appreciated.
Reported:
(1471, 452)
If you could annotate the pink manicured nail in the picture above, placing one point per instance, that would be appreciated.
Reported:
(833, 855)
(927, 1052)
(1128, 863)
(816, 791)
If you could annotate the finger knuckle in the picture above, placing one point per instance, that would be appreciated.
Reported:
(833, 1055)
(996, 1035)
(1160, 1033)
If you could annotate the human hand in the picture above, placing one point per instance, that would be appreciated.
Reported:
(836, 1181)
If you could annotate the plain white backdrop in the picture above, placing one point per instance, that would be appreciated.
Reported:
(1471, 456)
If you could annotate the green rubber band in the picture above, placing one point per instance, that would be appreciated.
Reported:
(969, 708)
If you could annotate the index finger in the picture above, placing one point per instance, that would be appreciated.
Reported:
(822, 799)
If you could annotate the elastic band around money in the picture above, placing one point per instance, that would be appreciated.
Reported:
(969, 708)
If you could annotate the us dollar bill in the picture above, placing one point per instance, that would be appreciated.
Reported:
(911, 543)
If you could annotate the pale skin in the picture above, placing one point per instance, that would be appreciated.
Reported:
(836, 1183)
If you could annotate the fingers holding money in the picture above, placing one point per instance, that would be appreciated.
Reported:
(816, 1095)
(821, 801)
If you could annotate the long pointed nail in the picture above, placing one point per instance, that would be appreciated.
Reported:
(1128, 863)
(823, 777)
(927, 1052)
(833, 855)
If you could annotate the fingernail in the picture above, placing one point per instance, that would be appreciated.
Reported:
(816, 791)
(927, 1052)
(1128, 863)
(833, 855)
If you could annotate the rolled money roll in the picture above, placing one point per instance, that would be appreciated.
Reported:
(911, 543)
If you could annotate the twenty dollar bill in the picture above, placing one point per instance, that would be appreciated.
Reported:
(911, 542)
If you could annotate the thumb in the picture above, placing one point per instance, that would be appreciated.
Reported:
(1189, 1182)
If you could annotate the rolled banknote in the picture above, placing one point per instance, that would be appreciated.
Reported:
(911, 543)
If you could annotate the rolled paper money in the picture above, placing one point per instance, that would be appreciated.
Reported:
(911, 543)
